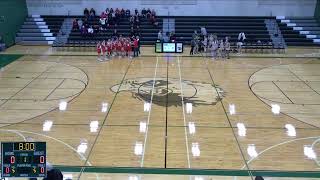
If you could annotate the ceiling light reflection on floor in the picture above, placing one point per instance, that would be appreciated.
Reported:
(242, 131)
(232, 109)
(63, 105)
(192, 128)
(275, 108)
(252, 152)
(67, 176)
(138, 148)
(94, 125)
(309, 152)
(82, 148)
(146, 107)
(198, 178)
(133, 177)
(143, 127)
(104, 107)
(291, 130)
(47, 126)
(195, 149)
(189, 108)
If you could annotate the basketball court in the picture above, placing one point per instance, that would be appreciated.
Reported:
(166, 113)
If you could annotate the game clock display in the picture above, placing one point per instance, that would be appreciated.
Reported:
(23, 159)
(170, 47)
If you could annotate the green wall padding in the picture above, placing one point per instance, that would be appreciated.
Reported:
(12, 16)
(6, 59)
(317, 11)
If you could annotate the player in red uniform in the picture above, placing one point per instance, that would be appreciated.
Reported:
(113, 48)
(103, 48)
(119, 47)
(109, 48)
(99, 50)
(128, 48)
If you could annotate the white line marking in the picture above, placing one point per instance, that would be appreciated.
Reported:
(70, 147)
(312, 146)
(184, 116)
(81, 156)
(16, 132)
(280, 144)
(147, 128)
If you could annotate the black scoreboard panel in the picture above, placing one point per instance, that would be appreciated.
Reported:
(23, 159)
(169, 47)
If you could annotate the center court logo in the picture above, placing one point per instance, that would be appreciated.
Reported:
(169, 91)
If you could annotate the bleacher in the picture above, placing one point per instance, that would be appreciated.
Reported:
(254, 28)
(54, 23)
(148, 33)
(39, 30)
(300, 31)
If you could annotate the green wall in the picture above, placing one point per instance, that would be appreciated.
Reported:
(317, 11)
(12, 15)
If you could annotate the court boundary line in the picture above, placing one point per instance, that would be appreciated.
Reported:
(105, 118)
(50, 137)
(149, 114)
(257, 95)
(86, 85)
(305, 82)
(184, 116)
(283, 92)
(280, 144)
(32, 79)
(230, 124)
(199, 56)
(248, 82)
(186, 171)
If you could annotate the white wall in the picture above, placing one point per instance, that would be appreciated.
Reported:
(180, 7)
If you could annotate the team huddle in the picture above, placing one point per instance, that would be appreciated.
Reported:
(121, 47)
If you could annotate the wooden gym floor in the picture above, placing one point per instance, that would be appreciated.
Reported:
(111, 97)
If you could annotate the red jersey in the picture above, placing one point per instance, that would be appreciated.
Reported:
(128, 47)
(119, 46)
(109, 47)
(99, 48)
(103, 47)
(135, 43)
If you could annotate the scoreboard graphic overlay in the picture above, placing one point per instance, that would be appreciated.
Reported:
(23, 159)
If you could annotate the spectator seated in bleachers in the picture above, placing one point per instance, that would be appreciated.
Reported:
(75, 25)
(90, 31)
(84, 31)
(80, 23)
(103, 23)
(92, 14)
(136, 12)
(128, 13)
(153, 21)
(148, 13)
(144, 13)
(153, 12)
(117, 15)
(86, 12)
(123, 13)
